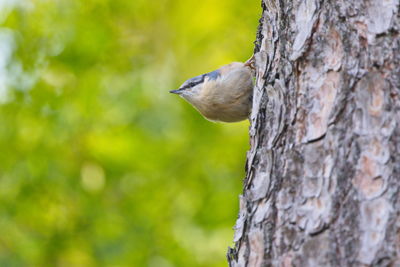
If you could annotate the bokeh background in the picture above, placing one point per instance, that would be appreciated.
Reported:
(99, 164)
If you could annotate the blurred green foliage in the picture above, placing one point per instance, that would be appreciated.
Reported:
(100, 165)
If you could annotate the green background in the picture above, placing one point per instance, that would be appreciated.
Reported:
(99, 164)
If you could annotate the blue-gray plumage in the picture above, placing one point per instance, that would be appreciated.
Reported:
(213, 75)
(221, 95)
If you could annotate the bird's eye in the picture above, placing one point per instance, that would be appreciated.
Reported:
(196, 82)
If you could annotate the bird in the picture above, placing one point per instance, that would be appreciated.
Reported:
(222, 95)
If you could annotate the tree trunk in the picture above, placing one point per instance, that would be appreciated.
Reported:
(323, 171)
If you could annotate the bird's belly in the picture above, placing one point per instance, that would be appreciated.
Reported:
(223, 113)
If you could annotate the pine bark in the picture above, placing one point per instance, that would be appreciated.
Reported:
(323, 171)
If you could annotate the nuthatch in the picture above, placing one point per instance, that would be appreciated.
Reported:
(223, 95)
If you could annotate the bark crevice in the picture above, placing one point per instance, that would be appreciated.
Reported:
(323, 170)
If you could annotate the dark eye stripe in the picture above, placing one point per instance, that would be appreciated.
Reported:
(200, 79)
(193, 81)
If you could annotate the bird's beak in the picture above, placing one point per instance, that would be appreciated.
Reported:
(177, 91)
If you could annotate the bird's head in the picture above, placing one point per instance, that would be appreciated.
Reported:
(193, 87)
